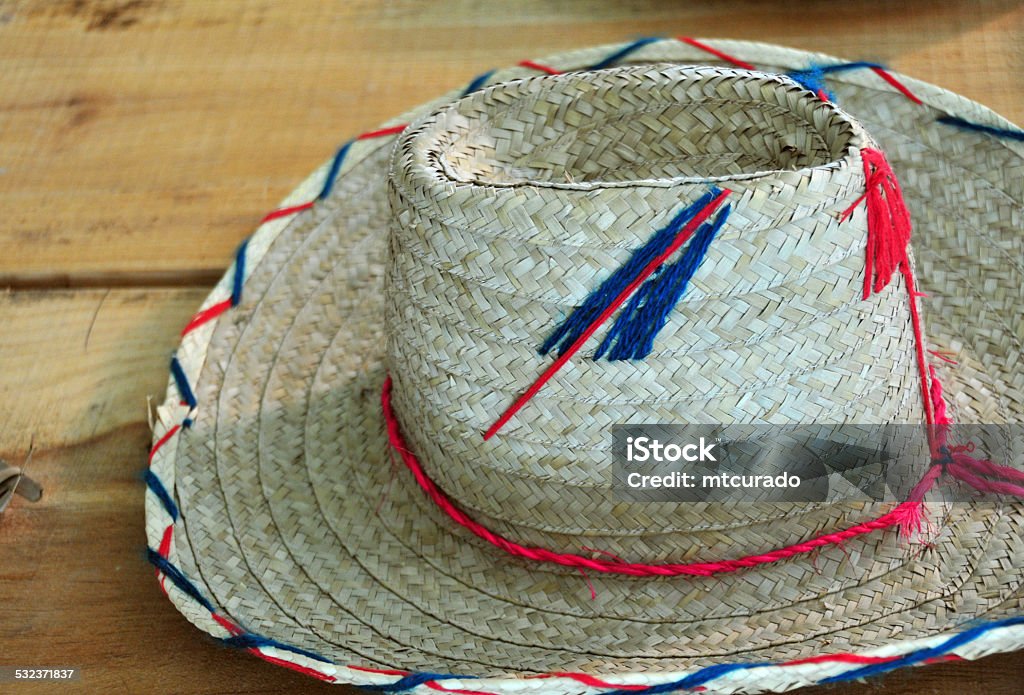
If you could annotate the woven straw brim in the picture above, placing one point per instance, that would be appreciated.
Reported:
(296, 522)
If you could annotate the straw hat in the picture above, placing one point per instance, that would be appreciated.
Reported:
(385, 454)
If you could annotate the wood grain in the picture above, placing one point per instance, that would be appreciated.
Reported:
(83, 362)
(140, 140)
(159, 133)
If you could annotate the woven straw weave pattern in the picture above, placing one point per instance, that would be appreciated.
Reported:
(295, 523)
(518, 200)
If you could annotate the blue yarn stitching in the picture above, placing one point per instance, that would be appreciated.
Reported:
(153, 483)
(632, 336)
(245, 640)
(702, 676)
(478, 82)
(573, 327)
(636, 330)
(813, 76)
(239, 277)
(623, 52)
(711, 672)
(980, 128)
(843, 67)
(182, 381)
(812, 79)
(623, 328)
(411, 681)
(179, 579)
(248, 640)
(957, 640)
(693, 680)
(332, 173)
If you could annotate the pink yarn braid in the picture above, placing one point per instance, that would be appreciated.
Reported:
(906, 514)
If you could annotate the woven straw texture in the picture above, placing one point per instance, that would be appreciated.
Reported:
(446, 255)
(503, 222)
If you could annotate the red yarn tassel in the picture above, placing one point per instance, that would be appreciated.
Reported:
(910, 517)
(888, 222)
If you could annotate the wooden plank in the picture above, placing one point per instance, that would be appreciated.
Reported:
(140, 141)
(81, 364)
(75, 589)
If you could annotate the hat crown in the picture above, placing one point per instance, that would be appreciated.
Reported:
(513, 204)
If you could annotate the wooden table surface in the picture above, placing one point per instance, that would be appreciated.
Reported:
(141, 140)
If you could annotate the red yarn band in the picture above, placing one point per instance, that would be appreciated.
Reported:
(164, 549)
(227, 624)
(533, 65)
(205, 316)
(393, 130)
(884, 74)
(587, 679)
(842, 658)
(304, 670)
(284, 212)
(163, 440)
(906, 514)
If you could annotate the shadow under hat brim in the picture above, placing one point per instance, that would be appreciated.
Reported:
(296, 523)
